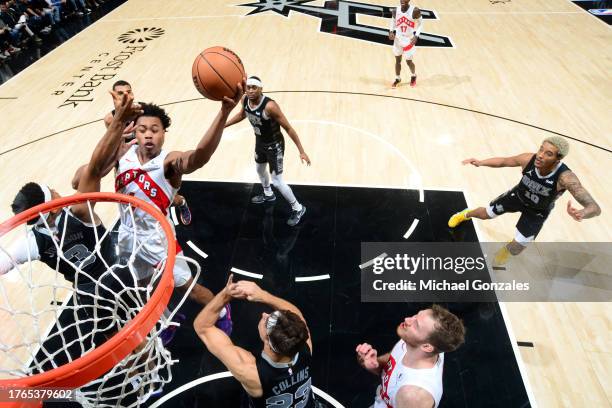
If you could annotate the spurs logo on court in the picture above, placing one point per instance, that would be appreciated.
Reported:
(140, 35)
(340, 18)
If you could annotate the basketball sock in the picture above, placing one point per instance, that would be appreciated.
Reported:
(397, 77)
(296, 206)
(286, 191)
(264, 177)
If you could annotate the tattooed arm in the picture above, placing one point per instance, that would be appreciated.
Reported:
(570, 182)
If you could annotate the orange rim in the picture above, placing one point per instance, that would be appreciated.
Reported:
(100, 360)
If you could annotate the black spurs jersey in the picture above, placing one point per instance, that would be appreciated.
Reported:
(285, 385)
(267, 130)
(79, 247)
(539, 193)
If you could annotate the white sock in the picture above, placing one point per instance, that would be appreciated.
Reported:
(295, 206)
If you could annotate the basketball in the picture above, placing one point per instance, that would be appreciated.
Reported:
(216, 71)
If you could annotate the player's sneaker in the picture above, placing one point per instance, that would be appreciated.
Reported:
(413, 81)
(225, 323)
(458, 218)
(501, 257)
(396, 83)
(296, 216)
(185, 213)
(169, 332)
(262, 198)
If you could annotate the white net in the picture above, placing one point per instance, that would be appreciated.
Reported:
(67, 286)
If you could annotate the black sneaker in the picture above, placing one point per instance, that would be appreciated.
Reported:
(185, 213)
(296, 216)
(262, 198)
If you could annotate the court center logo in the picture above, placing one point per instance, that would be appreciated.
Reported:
(140, 35)
(340, 18)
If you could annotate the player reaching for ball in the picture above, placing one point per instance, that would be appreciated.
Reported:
(545, 178)
(122, 87)
(154, 175)
(266, 118)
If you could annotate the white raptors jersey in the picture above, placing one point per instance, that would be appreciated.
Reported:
(404, 25)
(147, 182)
(395, 375)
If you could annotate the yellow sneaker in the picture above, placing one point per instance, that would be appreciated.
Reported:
(501, 257)
(458, 218)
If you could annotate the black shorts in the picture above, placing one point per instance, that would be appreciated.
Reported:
(272, 154)
(531, 221)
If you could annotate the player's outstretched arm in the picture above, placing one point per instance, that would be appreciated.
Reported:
(274, 111)
(111, 161)
(19, 252)
(569, 181)
(107, 147)
(520, 160)
(253, 293)
(187, 162)
(239, 116)
(239, 362)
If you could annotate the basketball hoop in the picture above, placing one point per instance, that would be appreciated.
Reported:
(137, 331)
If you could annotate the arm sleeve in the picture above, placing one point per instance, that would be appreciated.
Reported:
(392, 22)
(19, 253)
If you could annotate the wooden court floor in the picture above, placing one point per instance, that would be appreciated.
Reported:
(517, 72)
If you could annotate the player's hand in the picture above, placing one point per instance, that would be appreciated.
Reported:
(367, 356)
(575, 213)
(473, 162)
(414, 40)
(229, 285)
(125, 108)
(304, 158)
(123, 148)
(247, 290)
(229, 103)
(391, 35)
(129, 129)
(117, 99)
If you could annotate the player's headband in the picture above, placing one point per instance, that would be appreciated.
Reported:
(270, 324)
(47, 193)
(254, 82)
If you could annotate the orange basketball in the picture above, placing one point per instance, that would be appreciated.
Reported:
(216, 71)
